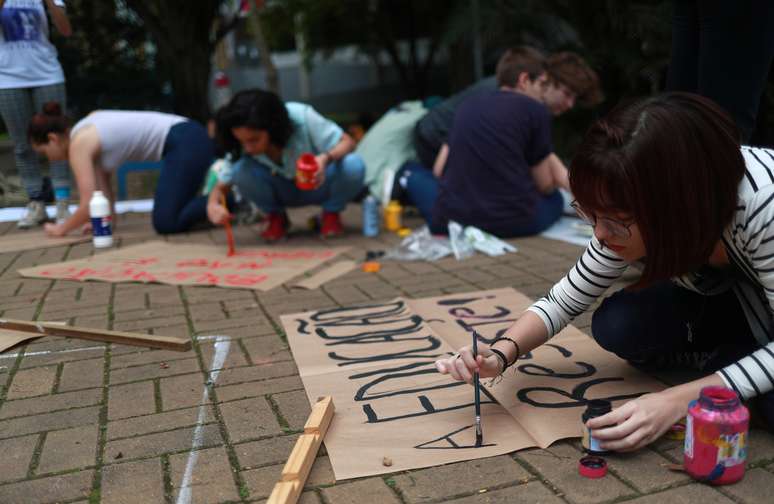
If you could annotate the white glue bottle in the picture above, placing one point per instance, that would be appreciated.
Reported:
(99, 211)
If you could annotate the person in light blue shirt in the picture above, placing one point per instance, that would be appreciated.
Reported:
(267, 137)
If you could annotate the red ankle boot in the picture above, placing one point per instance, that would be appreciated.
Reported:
(330, 225)
(276, 227)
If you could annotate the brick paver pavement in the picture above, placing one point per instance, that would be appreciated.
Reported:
(82, 421)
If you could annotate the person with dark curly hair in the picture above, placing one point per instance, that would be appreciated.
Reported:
(105, 139)
(266, 137)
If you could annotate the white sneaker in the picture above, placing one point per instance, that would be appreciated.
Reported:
(62, 211)
(35, 216)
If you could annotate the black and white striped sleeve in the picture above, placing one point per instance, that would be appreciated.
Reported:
(594, 272)
(754, 375)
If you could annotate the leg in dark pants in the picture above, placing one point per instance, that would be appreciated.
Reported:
(188, 153)
(723, 50)
(650, 326)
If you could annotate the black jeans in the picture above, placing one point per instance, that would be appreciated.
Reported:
(647, 325)
(722, 49)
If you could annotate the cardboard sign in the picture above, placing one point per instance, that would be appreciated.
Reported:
(377, 361)
(32, 240)
(188, 264)
(9, 338)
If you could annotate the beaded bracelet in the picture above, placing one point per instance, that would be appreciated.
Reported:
(518, 349)
(501, 356)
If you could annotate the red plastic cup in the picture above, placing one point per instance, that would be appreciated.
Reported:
(306, 172)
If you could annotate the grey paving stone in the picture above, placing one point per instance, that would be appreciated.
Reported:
(32, 382)
(152, 445)
(82, 374)
(17, 455)
(559, 465)
(266, 452)
(756, 486)
(689, 494)
(363, 490)
(210, 477)
(69, 449)
(131, 400)
(147, 424)
(249, 419)
(450, 480)
(48, 421)
(294, 407)
(54, 402)
(528, 493)
(133, 482)
(55, 488)
(645, 470)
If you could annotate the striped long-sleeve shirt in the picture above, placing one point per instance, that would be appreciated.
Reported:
(749, 243)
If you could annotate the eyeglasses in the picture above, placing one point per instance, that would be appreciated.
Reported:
(614, 227)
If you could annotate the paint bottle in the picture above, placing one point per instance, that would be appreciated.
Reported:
(306, 172)
(594, 408)
(392, 216)
(370, 216)
(716, 437)
(99, 211)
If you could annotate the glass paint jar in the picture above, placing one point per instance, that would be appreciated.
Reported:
(716, 437)
(594, 408)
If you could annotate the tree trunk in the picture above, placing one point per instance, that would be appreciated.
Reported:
(272, 78)
(182, 31)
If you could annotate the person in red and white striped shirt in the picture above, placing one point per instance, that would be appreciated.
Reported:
(665, 182)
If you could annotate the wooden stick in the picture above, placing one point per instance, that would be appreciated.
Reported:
(229, 231)
(124, 338)
(296, 470)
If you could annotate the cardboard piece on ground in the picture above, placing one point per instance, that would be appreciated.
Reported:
(121, 337)
(191, 264)
(333, 271)
(377, 361)
(10, 338)
(32, 240)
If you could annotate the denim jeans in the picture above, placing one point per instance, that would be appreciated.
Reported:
(177, 204)
(273, 193)
(663, 319)
(421, 186)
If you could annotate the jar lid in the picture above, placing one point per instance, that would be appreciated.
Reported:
(592, 467)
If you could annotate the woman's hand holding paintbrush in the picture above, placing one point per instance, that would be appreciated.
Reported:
(462, 366)
(218, 214)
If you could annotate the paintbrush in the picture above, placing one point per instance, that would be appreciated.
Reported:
(476, 385)
(227, 225)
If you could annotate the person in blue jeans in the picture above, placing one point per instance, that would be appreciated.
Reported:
(267, 137)
(97, 145)
(498, 171)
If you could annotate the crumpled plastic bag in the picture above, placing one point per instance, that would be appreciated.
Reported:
(487, 243)
(421, 245)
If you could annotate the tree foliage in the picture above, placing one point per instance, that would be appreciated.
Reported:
(184, 37)
(108, 61)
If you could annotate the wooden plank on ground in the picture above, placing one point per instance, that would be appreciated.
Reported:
(296, 470)
(123, 338)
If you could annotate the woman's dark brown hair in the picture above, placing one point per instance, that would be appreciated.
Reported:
(51, 120)
(673, 163)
